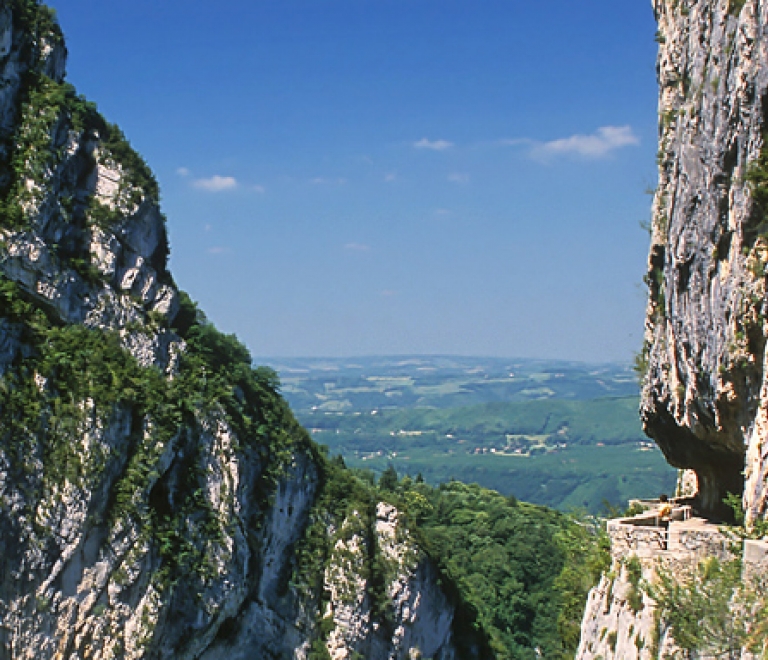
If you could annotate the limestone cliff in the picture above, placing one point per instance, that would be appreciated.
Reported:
(705, 388)
(157, 498)
(705, 391)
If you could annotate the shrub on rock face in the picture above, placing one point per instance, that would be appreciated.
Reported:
(712, 608)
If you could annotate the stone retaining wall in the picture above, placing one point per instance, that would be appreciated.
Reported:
(642, 537)
(629, 539)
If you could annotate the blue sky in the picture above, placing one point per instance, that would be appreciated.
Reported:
(358, 177)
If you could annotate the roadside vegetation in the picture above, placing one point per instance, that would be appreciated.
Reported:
(713, 608)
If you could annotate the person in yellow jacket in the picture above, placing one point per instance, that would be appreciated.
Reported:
(665, 508)
(663, 515)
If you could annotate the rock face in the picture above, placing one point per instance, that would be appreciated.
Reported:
(613, 628)
(705, 390)
(157, 498)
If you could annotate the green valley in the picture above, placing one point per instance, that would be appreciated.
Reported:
(562, 434)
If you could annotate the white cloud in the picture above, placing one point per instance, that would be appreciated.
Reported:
(434, 145)
(599, 144)
(458, 177)
(388, 293)
(218, 249)
(389, 178)
(325, 181)
(216, 183)
(357, 247)
(259, 189)
(182, 171)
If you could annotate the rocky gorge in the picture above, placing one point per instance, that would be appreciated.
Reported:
(157, 498)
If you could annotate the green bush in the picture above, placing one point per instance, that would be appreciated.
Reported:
(712, 609)
(735, 7)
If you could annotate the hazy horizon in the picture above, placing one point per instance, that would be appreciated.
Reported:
(435, 356)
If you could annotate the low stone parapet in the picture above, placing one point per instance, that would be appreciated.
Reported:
(699, 541)
(641, 540)
(646, 536)
(755, 552)
(755, 560)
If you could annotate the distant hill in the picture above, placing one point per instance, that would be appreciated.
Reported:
(564, 434)
(365, 384)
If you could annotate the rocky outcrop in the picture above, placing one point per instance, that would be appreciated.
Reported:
(409, 587)
(619, 620)
(705, 391)
(83, 232)
(157, 498)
